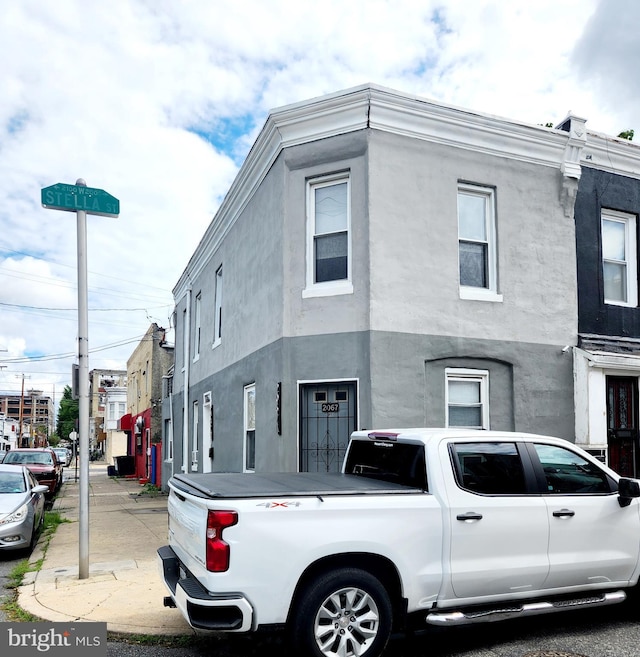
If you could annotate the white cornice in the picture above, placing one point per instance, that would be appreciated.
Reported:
(459, 128)
(290, 125)
(379, 108)
(612, 154)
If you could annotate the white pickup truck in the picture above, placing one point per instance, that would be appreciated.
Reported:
(435, 526)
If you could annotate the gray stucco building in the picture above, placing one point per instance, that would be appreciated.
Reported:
(380, 261)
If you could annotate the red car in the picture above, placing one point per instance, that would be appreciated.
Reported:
(42, 462)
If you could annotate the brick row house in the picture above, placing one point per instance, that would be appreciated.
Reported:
(383, 260)
(142, 423)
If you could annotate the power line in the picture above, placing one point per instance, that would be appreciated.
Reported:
(17, 305)
(40, 359)
(47, 280)
(62, 264)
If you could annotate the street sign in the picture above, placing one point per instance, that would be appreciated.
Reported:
(72, 198)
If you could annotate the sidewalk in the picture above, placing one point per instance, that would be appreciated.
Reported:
(124, 588)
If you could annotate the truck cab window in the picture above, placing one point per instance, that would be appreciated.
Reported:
(489, 468)
(567, 472)
(399, 463)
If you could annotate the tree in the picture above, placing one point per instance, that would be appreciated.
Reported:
(626, 134)
(68, 414)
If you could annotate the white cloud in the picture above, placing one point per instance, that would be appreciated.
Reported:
(158, 102)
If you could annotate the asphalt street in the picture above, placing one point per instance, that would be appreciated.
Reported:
(614, 632)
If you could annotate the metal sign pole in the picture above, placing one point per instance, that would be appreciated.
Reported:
(83, 389)
(82, 200)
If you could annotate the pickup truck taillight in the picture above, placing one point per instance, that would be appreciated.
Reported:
(217, 548)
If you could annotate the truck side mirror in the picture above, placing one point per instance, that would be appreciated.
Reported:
(627, 490)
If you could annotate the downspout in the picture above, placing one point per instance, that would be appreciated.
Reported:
(185, 384)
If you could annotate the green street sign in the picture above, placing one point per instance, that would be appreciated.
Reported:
(72, 198)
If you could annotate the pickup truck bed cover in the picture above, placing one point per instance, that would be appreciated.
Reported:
(279, 484)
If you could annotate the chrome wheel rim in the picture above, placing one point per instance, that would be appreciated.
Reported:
(347, 623)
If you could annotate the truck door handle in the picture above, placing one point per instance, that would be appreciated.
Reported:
(564, 513)
(469, 515)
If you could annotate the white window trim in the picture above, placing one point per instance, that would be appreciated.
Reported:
(247, 390)
(185, 340)
(489, 293)
(168, 439)
(464, 374)
(217, 321)
(207, 431)
(328, 288)
(631, 261)
(194, 436)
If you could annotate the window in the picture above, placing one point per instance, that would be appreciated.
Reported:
(567, 472)
(489, 468)
(185, 339)
(329, 236)
(395, 462)
(477, 243)
(168, 440)
(217, 320)
(619, 266)
(250, 428)
(467, 398)
(198, 310)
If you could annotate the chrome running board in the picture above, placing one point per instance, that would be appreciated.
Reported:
(486, 614)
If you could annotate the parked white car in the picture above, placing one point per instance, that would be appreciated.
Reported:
(63, 454)
(22, 501)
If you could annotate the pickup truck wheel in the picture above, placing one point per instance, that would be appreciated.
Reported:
(344, 613)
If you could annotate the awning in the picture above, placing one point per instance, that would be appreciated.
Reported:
(125, 423)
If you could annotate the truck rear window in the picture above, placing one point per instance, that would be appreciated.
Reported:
(398, 463)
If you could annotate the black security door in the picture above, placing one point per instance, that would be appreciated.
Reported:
(622, 424)
(327, 419)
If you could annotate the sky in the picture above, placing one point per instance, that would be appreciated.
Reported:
(158, 102)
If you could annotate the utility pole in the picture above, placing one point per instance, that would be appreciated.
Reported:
(21, 412)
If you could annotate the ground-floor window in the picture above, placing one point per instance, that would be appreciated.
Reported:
(250, 428)
(467, 398)
(168, 440)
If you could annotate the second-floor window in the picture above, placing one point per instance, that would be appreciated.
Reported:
(217, 320)
(477, 242)
(197, 328)
(619, 266)
(329, 236)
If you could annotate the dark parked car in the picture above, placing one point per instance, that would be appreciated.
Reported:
(21, 507)
(43, 463)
